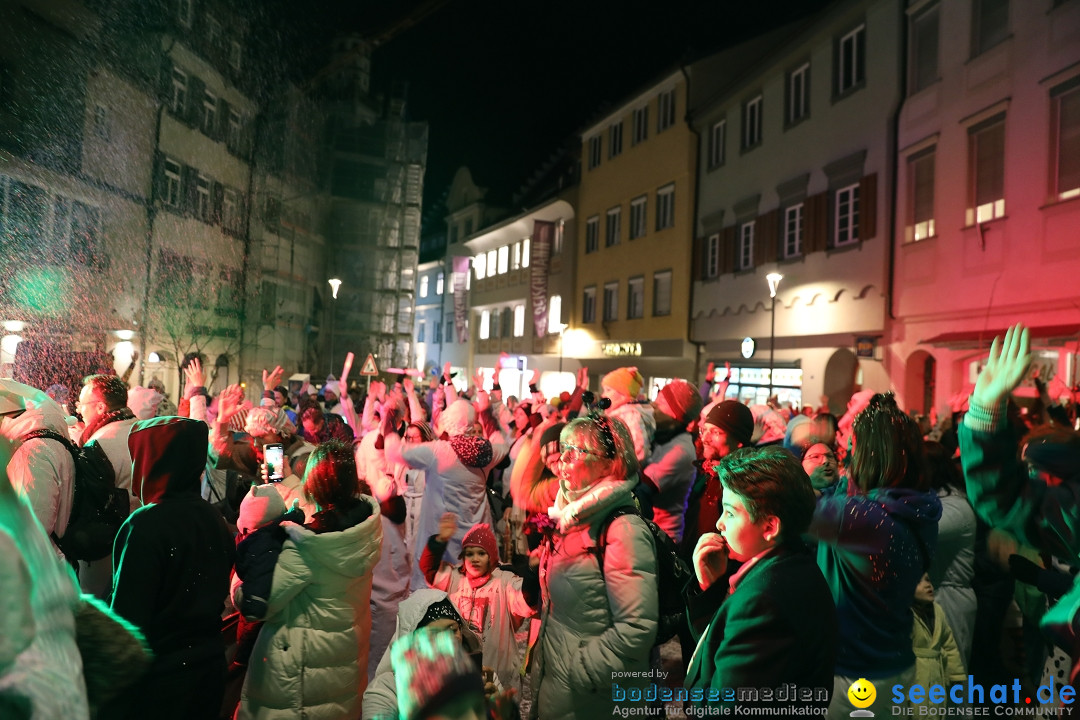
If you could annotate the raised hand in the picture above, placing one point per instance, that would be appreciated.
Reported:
(535, 377)
(229, 403)
(446, 371)
(1008, 362)
(273, 378)
(710, 372)
(447, 526)
(407, 383)
(483, 401)
(193, 372)
(583, 378)
(478, 380)
(710, 559)
(727, 371)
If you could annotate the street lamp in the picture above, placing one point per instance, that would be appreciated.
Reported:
(335, 283)
(774, 279)
(562, 329)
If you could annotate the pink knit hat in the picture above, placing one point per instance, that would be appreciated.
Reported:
(481, 536)
(679, 400)
(262, 505)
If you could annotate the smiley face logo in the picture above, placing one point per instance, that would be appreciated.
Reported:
(862, 693)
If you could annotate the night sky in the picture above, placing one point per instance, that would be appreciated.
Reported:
(503, 85)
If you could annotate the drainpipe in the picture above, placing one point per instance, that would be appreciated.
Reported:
(699, 347)
(894, 152)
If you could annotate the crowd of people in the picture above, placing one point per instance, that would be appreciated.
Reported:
(420, 552)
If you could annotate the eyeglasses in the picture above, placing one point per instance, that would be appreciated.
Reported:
(414, 437)
(825, 456)
(571, 452)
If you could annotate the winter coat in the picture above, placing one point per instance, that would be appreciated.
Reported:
(639, 419)
(937, 658)
(873, 549)
(593, 625)
(40, 470)
(494, 611)
(953, 569)
(311, 657)
(40, 664)
(256, 557)
(671, 469)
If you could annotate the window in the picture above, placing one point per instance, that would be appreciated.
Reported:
(519, 321)
(665, 207)
(921, 193)
(751, 123)
(420, 332)
(555, 314)
(798, 94)
(213, 31)
(179, 91)
(661, 296)
(492, 263)
(614, 216)
(480, 266)
(592, 234)
(615, 140)
(594, 151)
(717, 138)
(209, 115)
(230, 213)
(467, 227)
(504, 259)
(440, 283)
(183, 12)
(525, 250)
(436, 331)
(793, 229)
(172, 183)
(515, 256)
(641, 124)
(665, 110)
(989, 24)
(635, 298)
(485, 324)
(450, 331)
(423, 285)
(851, 61)
(1065, 134)
(202, 198)
(85, 234)
(588, 305)
(746, 246)
(557, 243)
(507, 324)
(101, 122)
(923, 58)
(638, 211)
(236, 54)
(986, 163)
(236, 125)
(611, 301)
(846, 229)
(712, 256)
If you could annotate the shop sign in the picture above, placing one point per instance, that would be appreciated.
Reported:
(621, 349)
(864, 347)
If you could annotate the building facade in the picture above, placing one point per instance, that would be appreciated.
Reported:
(988, 195)
(795, 179)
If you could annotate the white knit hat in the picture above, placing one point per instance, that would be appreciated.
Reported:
(262, 505)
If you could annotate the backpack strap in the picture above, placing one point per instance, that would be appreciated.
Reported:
(601, 538)
(46, 434)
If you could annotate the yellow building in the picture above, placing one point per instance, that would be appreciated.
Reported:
(635, 220)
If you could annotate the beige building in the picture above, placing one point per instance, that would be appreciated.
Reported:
(635, 227)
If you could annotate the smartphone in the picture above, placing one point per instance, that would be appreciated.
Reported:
(274, 454)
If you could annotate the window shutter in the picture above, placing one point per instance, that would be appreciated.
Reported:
(728, 251)
(196, 91)
(816, 223)
(868, 207)
(188, 190)
(767, 237)
(217, 202)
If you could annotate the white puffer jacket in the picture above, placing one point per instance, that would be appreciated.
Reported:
(311, 657)
(594, 625)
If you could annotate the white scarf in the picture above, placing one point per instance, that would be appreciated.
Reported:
(574, 508)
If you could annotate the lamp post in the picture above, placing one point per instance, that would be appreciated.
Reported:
(335, 283)
(774, 282)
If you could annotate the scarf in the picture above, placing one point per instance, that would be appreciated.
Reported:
(112, 416)
(575, 508)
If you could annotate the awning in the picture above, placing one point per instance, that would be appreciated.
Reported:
(1049, 334)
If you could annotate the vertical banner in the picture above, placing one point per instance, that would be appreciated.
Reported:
(539, 255)
(461, 305)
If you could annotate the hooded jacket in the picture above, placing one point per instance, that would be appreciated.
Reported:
(311, 657)
(873, 549)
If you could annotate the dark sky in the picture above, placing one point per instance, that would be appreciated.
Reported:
(504, 83)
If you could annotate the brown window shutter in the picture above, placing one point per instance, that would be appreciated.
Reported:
(868, 207)
(766, 237)
(816, 225)
(727, 249)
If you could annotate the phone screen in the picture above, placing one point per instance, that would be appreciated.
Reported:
(275, 461)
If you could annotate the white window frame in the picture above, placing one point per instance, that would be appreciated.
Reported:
(440, 283)
(526, 248)
(665, 110)
(611, 301)
(492, 263)
(420, 332)
(179, 91)
(485, 325)
(504, 259)
(588, 305)
(1057, 97)
(554, 314)
(985, 212)
(515, 256)
(559, 239)
(793, 230)
(236, 54)
(613, 227)
(213, 31)
(639, 210)
(665, 207)
(846, 216)
(746, 245)
(615, 132)
(596, 149)
(184, 12)
(858, 71)
(230, 210)
(210, 107)
(424, 283)
(480, 266)
(635, 298)
(717, 141)
(203, 200)
(236, 126)
(921, 228)
(798, 95)
(712, 256)
(173, 183)
(751, 136)
(592, 234)
(660, 278)
(519, 321)
(641, 124)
